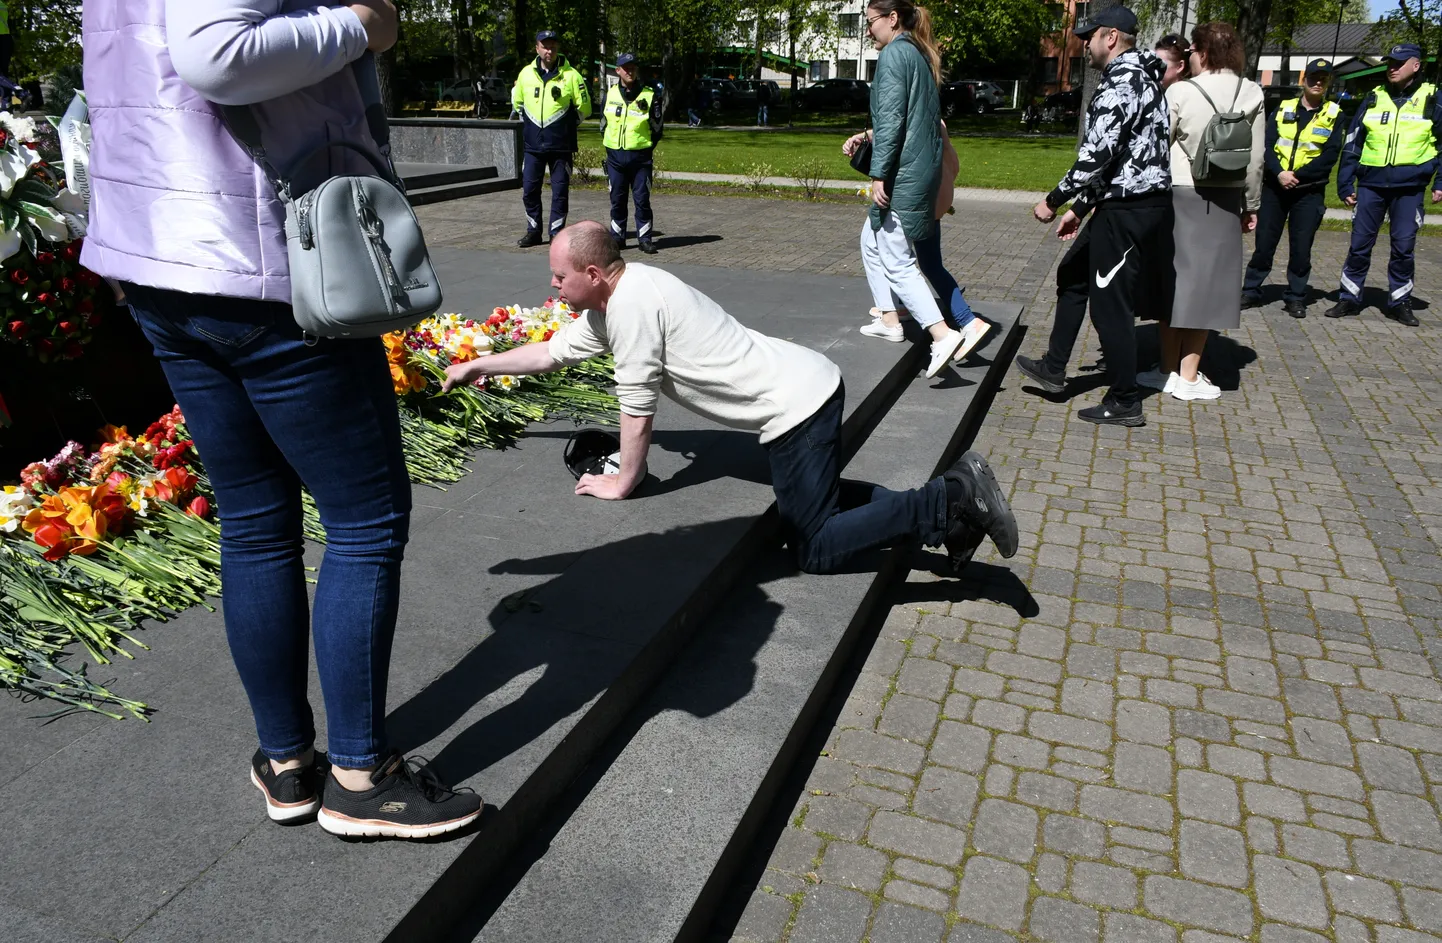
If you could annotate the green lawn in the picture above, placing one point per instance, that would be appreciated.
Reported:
(1007, 163)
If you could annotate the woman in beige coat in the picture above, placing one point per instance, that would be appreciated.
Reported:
(1211, 216)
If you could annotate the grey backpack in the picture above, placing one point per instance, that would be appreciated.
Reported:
(1226, 145)
(358, 261)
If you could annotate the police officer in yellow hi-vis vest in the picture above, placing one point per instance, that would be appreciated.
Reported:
(552, 99)
(1388, 162)
(631, 128)
(1304, 139)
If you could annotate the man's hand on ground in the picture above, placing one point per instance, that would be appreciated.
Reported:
(1070, 224)
(1043, 213)
(605, 487)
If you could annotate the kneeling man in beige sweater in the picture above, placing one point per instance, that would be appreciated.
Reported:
(670, 339)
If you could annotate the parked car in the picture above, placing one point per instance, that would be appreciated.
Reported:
(988, 95)
(1062, 106)
(746, 92)
(957, 98)
(721, 92)
(495, 89)
(835, 94)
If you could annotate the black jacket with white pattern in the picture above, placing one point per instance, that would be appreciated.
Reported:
(1125, 152)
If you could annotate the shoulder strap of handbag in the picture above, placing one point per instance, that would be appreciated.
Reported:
(241, 121)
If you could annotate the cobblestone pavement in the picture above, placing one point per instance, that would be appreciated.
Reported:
(1202, 702)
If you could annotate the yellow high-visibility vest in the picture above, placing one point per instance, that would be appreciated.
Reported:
(1399, 137)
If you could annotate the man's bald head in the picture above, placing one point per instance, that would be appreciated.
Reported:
(585, 265)
(588, 243)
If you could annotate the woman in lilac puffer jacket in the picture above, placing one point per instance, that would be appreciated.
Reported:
(189, 227)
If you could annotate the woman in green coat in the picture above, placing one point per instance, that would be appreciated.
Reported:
(905, 170)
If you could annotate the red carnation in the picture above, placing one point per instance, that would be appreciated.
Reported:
(19, 329)
(4, 138)
(70, 253)
(45, 298)
(45, 258)
(68, 327)
(19, 276)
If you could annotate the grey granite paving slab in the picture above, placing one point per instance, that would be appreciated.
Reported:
(634, 858)
(487, 693)
(25, 926)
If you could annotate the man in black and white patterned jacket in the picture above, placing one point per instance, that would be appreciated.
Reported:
(1123, 259)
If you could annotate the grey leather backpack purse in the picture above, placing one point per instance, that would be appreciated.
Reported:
(358, 261)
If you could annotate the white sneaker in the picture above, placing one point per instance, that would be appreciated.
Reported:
(882, 330)
(1200, 388)
(942, 351)
(1154, 380)
(1173, 379)
(875, 314)
(971, 335)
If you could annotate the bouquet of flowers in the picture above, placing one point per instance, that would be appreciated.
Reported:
(48, 302)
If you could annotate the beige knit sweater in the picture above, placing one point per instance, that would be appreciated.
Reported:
(670, 339)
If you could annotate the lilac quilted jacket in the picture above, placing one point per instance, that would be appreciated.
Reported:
(175, 202)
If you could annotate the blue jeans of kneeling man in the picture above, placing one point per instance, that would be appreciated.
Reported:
(826, 529)
(268, 413)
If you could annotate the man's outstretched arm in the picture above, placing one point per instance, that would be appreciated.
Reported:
(517, 362)
(635, 443)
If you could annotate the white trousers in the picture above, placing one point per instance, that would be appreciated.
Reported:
(889, 260)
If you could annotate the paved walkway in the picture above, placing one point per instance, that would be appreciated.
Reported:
(1200, 705)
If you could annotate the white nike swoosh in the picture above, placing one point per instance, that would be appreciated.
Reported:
(1104, 282)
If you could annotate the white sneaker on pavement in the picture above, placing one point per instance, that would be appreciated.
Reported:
(942, 351)
(1200, 388)
(880, 329)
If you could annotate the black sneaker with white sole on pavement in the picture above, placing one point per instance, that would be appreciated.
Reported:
(1036, 371)
(405, 800)
(1111, 413)
(975, 504)
(292, 795)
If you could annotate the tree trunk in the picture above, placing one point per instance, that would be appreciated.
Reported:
(760, 26)
(385, 70)
(791, 54)
(1253, 17)
(523, 41)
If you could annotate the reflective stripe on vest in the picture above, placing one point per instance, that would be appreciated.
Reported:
(1399, 137)
(1297, 151)
(628, 126)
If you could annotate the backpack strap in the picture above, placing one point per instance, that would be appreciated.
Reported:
(1193, 83)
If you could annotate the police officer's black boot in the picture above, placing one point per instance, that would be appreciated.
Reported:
(648, 247)
(1401, 312)
(1344, 309)
(529, 240)
(1297, 309)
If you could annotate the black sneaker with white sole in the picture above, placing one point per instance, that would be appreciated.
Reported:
(405, 800)
(961, 543)
(976, 502)
(1036, 371)
(1111, 413)
(291, 796)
